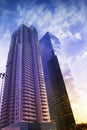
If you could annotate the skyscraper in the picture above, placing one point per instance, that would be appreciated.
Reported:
(24, 102)
(59, 105)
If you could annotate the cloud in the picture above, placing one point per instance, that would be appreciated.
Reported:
(74, 37)
(1, 28)
(58, 22)
(21, 11)
(78, 65)
(84, 55)
(4, 47)
(78, 36)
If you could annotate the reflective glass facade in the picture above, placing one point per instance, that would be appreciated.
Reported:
(59, 105)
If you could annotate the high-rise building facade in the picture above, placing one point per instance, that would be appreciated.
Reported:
(59, 105)
(24, 97)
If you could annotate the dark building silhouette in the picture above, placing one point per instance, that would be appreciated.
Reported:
(82, 126)
(63, 113)
(59, 105)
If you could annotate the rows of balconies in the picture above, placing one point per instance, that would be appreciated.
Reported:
(45, 115)
(7, 85)
(43, 94)
(43, 103)
(29, 102)
(26, 76)
(44, 108)
(28, 99)
(41, 76)
(4, 101)
(40, 72)
(45, 111)
(28, 89)
(28, 73)
(43, 98)
(29, 114)
(31, 99)
(4, 124)
(42, 83)
(27, 67)
(29, 106)
(6, 89)
(28, 86)
(5, 95)
(4, 119)
(4, 113)
(29, 110)
(27, 81)
(41, 79)
(42, 90)
(4, 108)
(28, 93)
(45, 119)
(29, 119)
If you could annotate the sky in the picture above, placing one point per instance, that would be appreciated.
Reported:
(67, 20)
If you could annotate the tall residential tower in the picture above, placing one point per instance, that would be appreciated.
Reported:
(24, 102)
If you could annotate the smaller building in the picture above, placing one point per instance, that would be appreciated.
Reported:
(81, 126)
(31, 126)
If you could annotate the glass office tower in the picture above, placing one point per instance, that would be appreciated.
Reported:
(59, 105)
(24, 105)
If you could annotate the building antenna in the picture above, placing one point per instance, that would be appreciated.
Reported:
(2, 76)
